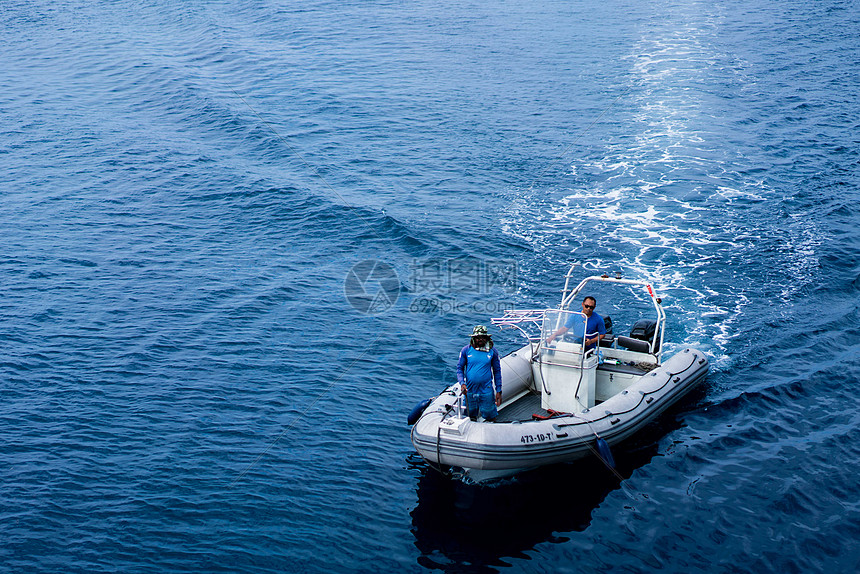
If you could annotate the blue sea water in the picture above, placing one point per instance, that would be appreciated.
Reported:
(188, 380)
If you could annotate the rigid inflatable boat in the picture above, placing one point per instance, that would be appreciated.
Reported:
(559, 403)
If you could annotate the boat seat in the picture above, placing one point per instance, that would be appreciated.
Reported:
(609, 339)
(636, 345)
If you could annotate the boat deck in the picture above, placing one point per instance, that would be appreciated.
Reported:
(522, 409)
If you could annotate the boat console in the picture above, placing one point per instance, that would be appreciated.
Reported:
(570, 380)
(565, 374)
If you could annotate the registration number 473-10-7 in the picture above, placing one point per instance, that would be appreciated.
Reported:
(529, 438)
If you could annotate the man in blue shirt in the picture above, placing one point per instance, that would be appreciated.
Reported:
(478, 368)
(595, 329)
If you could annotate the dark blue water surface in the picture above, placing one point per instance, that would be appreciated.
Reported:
(187, 386)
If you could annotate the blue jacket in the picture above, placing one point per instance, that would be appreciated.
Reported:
(593, 326)
(478, 369)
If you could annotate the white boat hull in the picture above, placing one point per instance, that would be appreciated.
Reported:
(445, 436)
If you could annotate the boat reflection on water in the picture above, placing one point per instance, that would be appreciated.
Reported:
(466, 527)
(457, 524)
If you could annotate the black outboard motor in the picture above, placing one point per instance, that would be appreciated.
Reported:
(645, 330)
